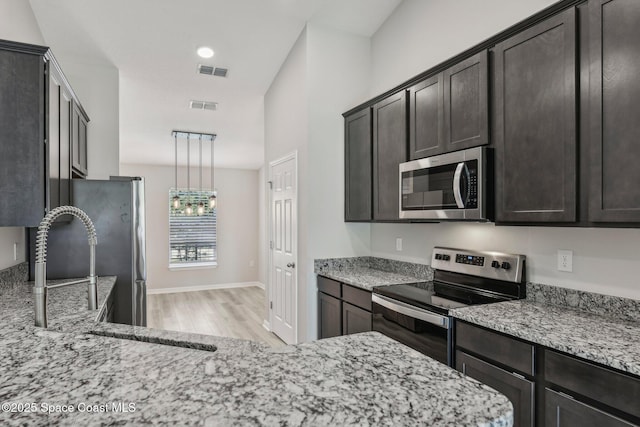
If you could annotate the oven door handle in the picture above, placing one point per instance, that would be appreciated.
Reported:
(407, 310)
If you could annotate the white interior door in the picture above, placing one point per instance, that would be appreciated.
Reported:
(284, 245)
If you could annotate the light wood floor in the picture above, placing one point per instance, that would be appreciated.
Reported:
(235, 313)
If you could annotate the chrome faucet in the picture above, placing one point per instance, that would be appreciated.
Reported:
(40, 287)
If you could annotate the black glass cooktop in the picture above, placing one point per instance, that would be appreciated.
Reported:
(442, 298)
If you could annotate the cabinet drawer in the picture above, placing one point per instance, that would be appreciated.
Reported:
(499, 348)
(329, 286)
(358, 297)
(520, 391)
(603, 385)
(563, 411)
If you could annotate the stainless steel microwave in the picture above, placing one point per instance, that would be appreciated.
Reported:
(450, 186)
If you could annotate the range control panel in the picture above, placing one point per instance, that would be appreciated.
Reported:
(490, 264)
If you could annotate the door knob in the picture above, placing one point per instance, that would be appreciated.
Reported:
(291, 265)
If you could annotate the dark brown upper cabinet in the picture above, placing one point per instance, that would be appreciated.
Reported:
(389, 150)
(614, 103)
(466, 103)
(36, 104)
(357, 189)
(535, 123)
(426, 122)
(450, 110)
(79, 141)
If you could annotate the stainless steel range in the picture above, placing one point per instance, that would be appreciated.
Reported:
(418, 315)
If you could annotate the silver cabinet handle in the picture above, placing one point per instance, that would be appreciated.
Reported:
(456, 185)
(291, 265)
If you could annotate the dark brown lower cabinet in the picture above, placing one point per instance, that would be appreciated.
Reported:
(342, 309)
(546, 387)
(329, 314)
(355, 319)
(519, 390)
(562, 410)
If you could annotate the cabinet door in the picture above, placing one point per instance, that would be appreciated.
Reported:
(23, 158)
(355, 319)
(389, 150)
(53, 138)
(330, 316)
(466, 105)
(518, 389)
(66, 109)
(426, 118)
(79, 142)
(614, 193)
(535, 123)
(563, 411)
(357, 163)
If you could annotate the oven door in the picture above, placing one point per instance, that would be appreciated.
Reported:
(425, 331)
(449, 186)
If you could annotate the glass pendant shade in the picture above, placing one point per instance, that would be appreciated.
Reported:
(200, 208)
(188, 209)
(212, 201)
(176, 202)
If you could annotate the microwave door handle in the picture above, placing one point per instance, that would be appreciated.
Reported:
(456, 185)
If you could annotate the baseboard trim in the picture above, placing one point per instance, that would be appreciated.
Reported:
(266, 325)
(204, 287)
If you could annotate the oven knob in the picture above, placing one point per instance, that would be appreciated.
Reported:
(495, 264)
(445, 257)
(506, 265)
(438, 256)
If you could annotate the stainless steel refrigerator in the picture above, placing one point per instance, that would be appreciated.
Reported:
(117, 209)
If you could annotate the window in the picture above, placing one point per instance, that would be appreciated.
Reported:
(192, 238)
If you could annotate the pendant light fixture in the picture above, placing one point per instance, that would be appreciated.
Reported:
(176, 198)
(200, 208)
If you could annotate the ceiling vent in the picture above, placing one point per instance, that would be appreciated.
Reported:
(203, 105)
(212, 71)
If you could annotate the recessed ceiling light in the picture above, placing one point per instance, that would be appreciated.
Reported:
(205, 52)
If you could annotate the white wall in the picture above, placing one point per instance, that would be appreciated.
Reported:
(420, 34)
(97, 88)
(321, 78)
(605, 260)
(17, 23)
(237, 227)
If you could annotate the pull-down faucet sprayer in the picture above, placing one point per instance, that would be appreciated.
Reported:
(40, 287)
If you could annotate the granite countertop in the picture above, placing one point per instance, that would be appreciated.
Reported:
(363, 378)
(369, 278)
(603, 339)
(369, 272)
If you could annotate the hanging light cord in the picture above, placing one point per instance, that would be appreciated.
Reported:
(175, 137)
(200, 162)
(189, 167)
(212, 169)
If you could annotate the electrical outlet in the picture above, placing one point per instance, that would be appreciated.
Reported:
(565, 260)
(398, 244)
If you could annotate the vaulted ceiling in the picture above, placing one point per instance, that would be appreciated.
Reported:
(153, 44)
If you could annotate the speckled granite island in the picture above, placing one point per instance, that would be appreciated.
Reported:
(362, 379)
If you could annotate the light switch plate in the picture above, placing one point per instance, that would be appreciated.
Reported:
(565, 260)
(398, 244)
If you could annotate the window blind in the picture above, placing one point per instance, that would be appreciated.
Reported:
(192, 238)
